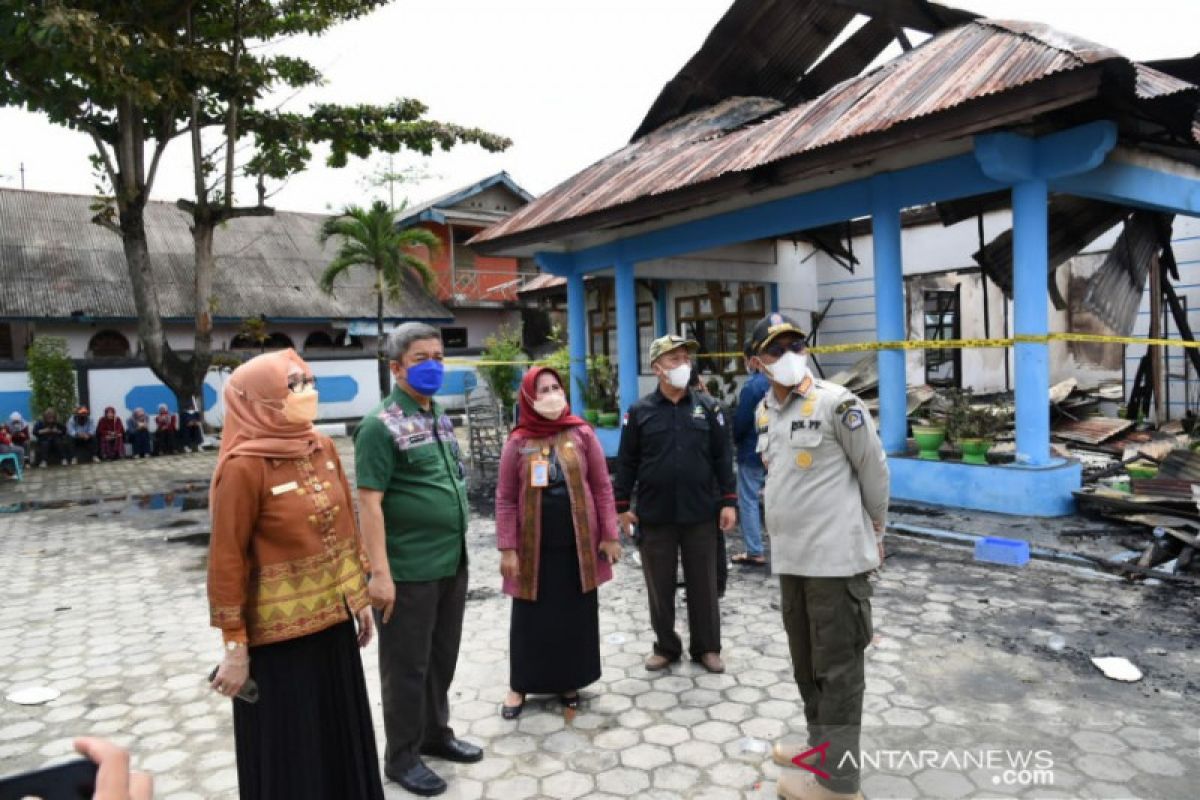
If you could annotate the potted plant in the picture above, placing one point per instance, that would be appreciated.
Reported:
(604, 374)
(596, 390)
(973, 426)
(929, 436)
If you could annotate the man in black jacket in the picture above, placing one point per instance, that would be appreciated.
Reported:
(675, 452)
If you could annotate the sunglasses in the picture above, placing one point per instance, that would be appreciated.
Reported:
(300, 383)
(777, 349)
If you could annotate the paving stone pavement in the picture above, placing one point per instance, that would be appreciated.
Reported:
(106, 603)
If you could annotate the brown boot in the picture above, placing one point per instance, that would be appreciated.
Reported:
(657, 663)
(712, 662)
(803, 785)
(782, 753)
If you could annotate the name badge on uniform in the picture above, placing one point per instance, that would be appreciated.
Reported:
(539, 473)
(283, 488)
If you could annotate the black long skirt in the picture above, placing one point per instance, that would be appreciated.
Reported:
(554, 641)
(310, 736)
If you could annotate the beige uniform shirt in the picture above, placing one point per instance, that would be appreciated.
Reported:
(827, 480)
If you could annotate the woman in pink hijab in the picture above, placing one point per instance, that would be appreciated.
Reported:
(287, 586)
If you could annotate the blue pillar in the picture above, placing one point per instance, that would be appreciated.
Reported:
(627, 334)
(773, 300)
(577, 337)
(660, 308)
(1031, 317)
(889, 315)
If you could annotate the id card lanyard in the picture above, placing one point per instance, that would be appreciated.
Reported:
(539, 469)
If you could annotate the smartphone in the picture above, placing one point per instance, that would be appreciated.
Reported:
(69, 781)
(248, 692)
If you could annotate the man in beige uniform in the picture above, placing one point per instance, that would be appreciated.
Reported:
(826, 500)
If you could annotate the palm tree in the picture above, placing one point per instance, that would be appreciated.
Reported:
(370, 238)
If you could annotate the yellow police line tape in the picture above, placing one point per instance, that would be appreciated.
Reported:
(911, 344)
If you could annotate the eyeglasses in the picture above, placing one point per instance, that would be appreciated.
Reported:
(777, 349)
(300, 383)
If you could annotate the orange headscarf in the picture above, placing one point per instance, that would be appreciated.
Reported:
(254, 420)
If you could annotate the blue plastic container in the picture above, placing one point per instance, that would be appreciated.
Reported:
(998, 550)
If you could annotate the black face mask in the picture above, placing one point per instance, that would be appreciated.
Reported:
(81, 418)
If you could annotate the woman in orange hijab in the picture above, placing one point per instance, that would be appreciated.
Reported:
(286, 584)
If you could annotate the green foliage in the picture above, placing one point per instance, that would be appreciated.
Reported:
(369, 238)
(601, 391)
(560, 359)
(503, 347)
(108, 66)
(967, 419)
(134, 75)
(255, 329)
(51, 376)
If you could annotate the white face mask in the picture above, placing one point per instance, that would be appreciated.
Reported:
(679, 376)
(790, 370)
(550, 406)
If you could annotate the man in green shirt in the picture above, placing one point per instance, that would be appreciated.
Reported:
(413, 514)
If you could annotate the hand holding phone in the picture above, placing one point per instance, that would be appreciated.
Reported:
(73, 780)
(248, 692)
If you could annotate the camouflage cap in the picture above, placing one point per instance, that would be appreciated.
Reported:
(665, 344)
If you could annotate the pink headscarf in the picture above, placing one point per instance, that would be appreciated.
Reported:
(254, 420)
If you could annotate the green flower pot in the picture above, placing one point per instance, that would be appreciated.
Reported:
(591, 415)
(609, 419)
(929, 439)
(975, 450)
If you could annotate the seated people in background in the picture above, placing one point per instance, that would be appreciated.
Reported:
(191, 431)
(137, 431)
(19, 428)
(7, 446)
(51, 439)
(81, 428)
(164, 431)
(111, 434)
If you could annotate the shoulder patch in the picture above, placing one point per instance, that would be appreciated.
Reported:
(844, 406)
(853, 418)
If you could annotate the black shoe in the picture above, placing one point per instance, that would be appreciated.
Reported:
(418, 779)
(569, 700)
(455, 750)
(512, 712)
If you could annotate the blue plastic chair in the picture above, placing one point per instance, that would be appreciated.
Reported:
(15, 459)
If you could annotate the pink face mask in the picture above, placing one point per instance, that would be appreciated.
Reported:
(551, 406)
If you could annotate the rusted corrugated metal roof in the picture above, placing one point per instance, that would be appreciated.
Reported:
(1091, 430)
(1074, 223)
(766, 48)
(1181, 465)
(54, 262)
(1114, 292)
(967, 64)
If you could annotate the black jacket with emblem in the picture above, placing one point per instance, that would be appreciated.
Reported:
(678, 457)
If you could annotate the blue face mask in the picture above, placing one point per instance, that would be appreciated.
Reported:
(426, 377)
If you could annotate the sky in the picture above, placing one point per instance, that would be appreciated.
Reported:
(567, 80)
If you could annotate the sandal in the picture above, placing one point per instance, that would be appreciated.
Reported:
(569, 701)
(512, 712)
(745, 559)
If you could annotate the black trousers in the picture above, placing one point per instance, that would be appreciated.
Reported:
(661, 549)
(828, 625)
(418, 652)
(54, 449)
